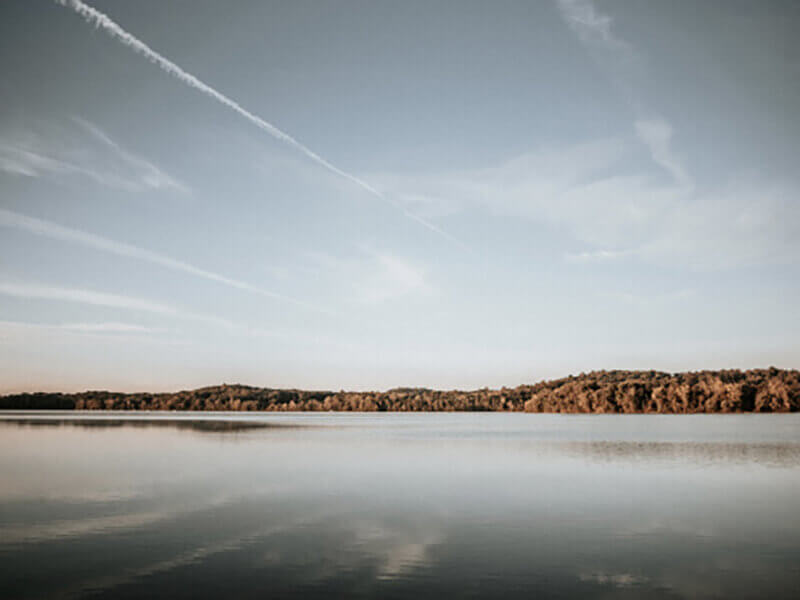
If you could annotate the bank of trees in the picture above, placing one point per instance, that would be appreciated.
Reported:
(755, 390)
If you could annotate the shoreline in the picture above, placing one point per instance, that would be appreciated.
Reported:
(599, 392)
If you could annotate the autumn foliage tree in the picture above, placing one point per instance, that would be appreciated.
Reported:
(729, 391)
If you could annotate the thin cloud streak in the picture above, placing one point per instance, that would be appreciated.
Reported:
(47, 292)
(34, 291)
(153, 177)
(59, 232)
(16, 332)
(101, 20)
(32, 155)
(112, 327)
(597, 256)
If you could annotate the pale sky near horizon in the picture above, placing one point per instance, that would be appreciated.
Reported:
(473, 194)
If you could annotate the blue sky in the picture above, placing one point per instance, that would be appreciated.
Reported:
(371, 194)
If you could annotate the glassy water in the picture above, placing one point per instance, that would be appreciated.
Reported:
(399, 506)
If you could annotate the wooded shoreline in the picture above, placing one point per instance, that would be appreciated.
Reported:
(728, 391)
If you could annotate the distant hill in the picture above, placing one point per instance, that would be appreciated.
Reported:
(755, 390)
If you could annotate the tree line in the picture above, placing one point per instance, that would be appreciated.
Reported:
(727, 391)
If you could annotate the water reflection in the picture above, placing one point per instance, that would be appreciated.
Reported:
(777, 455)
(208, 424)
(363, 507)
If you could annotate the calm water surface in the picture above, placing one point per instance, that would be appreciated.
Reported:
(398, 506)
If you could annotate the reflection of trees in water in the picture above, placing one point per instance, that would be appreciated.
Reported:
(202, 425)
(783, 454)
(779, 455)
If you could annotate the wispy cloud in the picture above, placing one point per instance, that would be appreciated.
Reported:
(47, 292)
(59, 232)
(648, 299)
(595, 31)
(24, 332)
(590, 25)
(109, 327)
(610, 208)
(150, 175)
(38, 291)
(103, 21)
(656, 134)
(596, 256)
(611, 217)
(376, 277)
(392, 277)
(85, 151)
(35, 291)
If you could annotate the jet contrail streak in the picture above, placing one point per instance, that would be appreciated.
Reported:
(59, 232)
(101, 20)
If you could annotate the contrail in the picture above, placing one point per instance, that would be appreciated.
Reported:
(59, 232)
(101, 20)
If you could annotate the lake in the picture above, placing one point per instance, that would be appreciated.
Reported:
(193, 505)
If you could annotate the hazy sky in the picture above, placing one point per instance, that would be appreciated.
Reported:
(370, 194)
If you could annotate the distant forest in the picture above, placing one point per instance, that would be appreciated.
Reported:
(730, 391)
